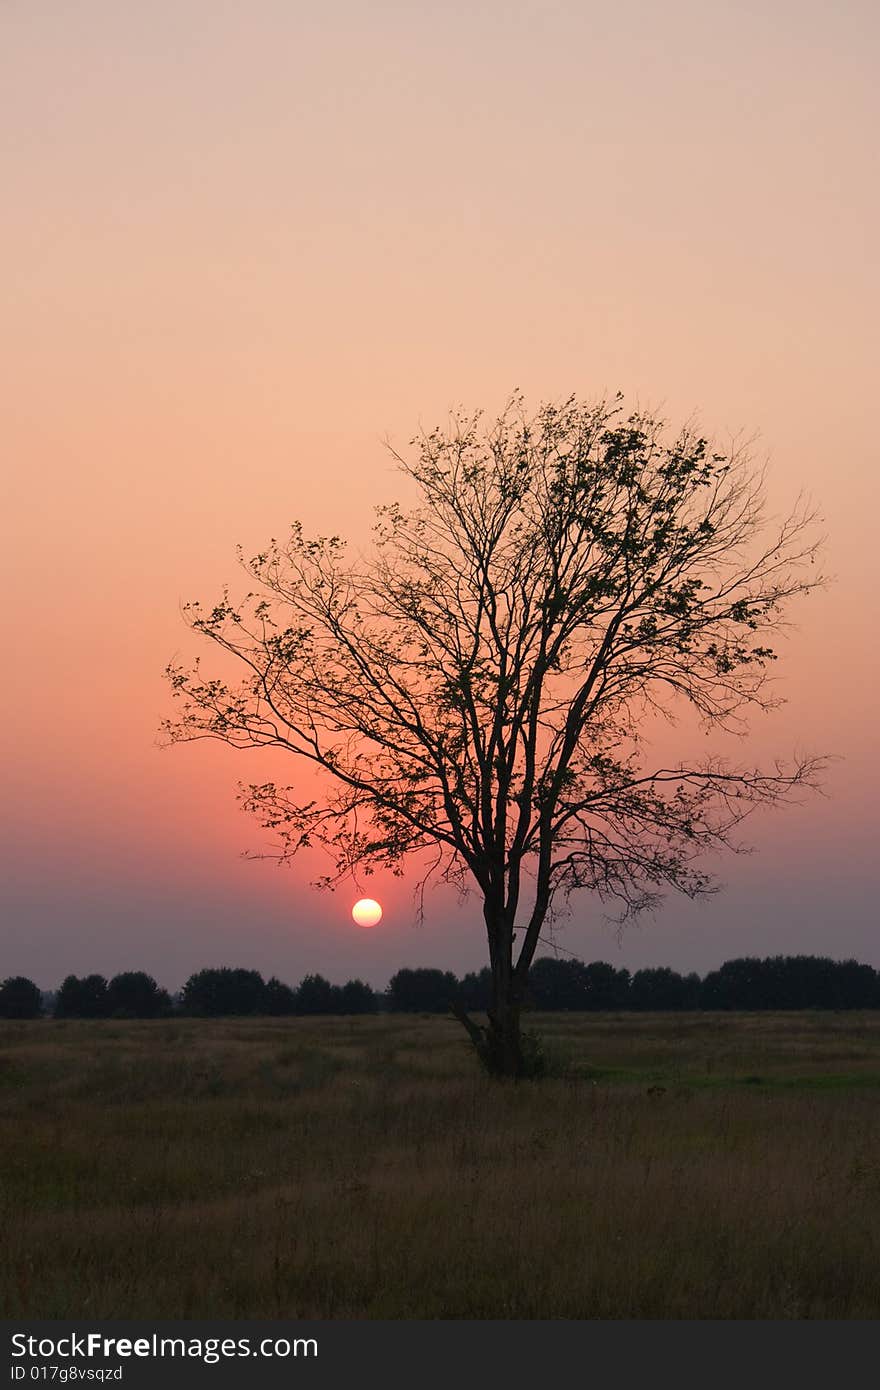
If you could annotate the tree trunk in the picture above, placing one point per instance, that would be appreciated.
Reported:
(501, 1046)
(504, 1040)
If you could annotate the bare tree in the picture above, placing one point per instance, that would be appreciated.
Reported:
(478, 688)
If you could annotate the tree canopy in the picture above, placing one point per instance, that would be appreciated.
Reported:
(20, 998)
(84, 997)
(135, 994)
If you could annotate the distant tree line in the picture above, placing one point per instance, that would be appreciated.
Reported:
(224, 991)
(749, 983)
(213, 993)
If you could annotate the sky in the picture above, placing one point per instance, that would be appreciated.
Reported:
(244, 245)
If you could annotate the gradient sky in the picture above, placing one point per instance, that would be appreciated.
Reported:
(244, 243)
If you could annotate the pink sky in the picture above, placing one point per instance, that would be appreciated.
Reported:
(244, 243)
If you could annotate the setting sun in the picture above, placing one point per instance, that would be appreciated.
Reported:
(367, 912)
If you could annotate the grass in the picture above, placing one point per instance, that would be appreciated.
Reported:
(673, 1166)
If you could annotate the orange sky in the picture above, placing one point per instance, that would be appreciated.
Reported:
(243, 243)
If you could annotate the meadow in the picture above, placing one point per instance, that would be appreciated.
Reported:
(672, 1166)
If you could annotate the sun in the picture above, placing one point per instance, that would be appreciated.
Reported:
(367, 912)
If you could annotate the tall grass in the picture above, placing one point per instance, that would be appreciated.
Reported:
(709, 1166)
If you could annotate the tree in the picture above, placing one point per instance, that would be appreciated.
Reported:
(660, 988)
(558, 984)
(479, 689)
(607, 988)
(317, 996)
(20, 998)
(693, 986)
(278, 998)
(357, 998)
(475, 990)
(82, 998)
(789, 982)
(135, 994)
(224, 991)
(855, 986)
(423, 991)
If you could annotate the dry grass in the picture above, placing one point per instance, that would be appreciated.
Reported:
(675, 1166)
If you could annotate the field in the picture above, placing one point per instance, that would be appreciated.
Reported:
(702, 1165)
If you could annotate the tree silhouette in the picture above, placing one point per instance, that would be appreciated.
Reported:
(475, 990)
(316, 995)
(558, 984)
(607, 988)
(278, 998)
(82, 998)
(357, 998)
(135, 994)
(224, 991)
(479, 688)
(422, 991)
(790, 982)
(661, 988)
(20, 998)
